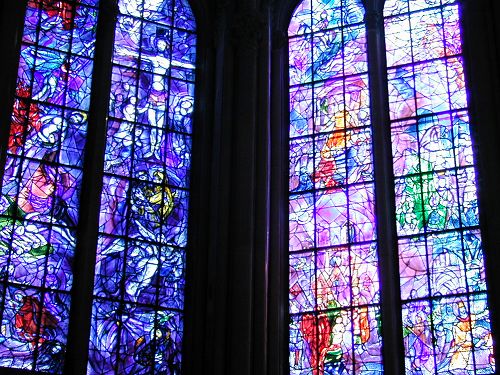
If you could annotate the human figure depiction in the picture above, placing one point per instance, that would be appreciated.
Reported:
(158, 61)
(324, 335)
(462, 338)
(334, 147)
(32, 320)
(65, 9)
(25, 117)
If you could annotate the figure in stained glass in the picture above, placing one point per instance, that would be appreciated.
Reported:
(34, 321)
(417, 339)
(39, 206)
(161, 353)
(462, 338)
(139, 288)
(25, 118)
(63, 9)
(333, 358)
(334, 149)
(333, 301)
(445, 313)
(156, 58)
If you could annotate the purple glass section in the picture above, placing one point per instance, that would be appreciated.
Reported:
(140, 268)
(39, 202)
(445, 312)
(334, 284)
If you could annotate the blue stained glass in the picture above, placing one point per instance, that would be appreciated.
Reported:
(127, 38)
(31, 20)
(118, 142)
(301, 111)
(57, 21)
(113, 212)
(94, 3)
(22, 334)
(301, 20)
(102, 345)
(131, 7)
(181, 104)
(177, 159)
(140, 268)
(79, 81)
(159, 11)
(149, 340)
(172, 278)
(39, 204)
(86, 22)
(183, 17)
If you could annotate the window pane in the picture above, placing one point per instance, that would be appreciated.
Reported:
(446, 323)
(42, 179)
(334, 284)
(137, 320)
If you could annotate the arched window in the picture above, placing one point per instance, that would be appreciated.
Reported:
(42, 178)
(334, 288)
(442, 273)
(141, 236)
(137, 320)
(334, 251)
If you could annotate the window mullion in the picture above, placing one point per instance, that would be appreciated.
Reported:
(84, 262)
(384, 192)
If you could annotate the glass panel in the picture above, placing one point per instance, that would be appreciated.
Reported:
(140, 270)
(39, 204)
(445, 312)
(334, 283)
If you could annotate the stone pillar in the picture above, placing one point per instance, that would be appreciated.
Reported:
(237, 264)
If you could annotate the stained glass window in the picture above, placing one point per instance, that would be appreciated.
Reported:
(335, 323)
(334, 288)
(137, 319)
(446, 321)
(41, 182)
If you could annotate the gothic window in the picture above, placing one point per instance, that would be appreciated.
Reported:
(139, 293)
(141, 237)
(336, 324)
(446, 323)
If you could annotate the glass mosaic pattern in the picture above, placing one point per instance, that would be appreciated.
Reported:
(446, 322)
(42, 178)
(137, 319)
(334, 285)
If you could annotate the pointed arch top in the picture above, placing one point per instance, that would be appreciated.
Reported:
(174, 13)
(319, 15)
